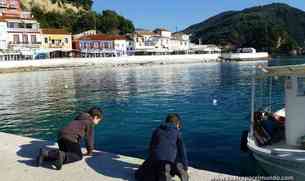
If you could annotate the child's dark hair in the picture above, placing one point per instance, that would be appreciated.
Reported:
(95, 112)
(174, 118)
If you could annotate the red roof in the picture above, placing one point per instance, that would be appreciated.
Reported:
(4, 18)
(160, 29)
(142, 33)
(54, 31)
(103, 37)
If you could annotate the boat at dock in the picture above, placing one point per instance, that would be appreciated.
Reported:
(276, 137)
(245, 54)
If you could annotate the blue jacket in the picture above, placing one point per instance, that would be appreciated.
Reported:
(167, 145)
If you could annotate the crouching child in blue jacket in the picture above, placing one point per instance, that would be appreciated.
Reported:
(167, 153)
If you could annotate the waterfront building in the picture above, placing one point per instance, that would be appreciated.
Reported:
(204, 49)
(180, 43)
(86, 33)
(22, 31)
(160, 41)
(3, 35)
(101, 45)
(143, 41)
(56, 42)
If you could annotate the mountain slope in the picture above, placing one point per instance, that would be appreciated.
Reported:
(273, 27)
(49, 6)
(76, 16)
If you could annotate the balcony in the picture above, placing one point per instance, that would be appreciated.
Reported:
(26, 15)
(17, 45)
(57, 45)
(23, 30)
(3, 4)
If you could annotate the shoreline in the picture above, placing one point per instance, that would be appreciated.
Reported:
(18, 161)
(66, 63)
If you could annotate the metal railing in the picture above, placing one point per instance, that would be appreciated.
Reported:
(24, 45)
(27, 30)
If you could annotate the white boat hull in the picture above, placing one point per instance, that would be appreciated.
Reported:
(276, 168)
(279, 165)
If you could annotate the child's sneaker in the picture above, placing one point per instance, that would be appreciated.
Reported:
(43, 153)
(183, 173)
(168, 172)
(60, 160)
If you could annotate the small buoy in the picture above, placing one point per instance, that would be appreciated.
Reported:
(215, 102)
(66, 86)
(244, 141)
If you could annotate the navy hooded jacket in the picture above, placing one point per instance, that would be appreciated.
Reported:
(167, 145)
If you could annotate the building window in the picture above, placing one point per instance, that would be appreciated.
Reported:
(301, 86)
(29, 26)
(33, 39)
(21, 25)
(25, 39)
(16, 39)
(96, 45)
(46, 40)
(66, 40)
(53, 42)
(102, 45)
(14, 4)
(3, 3)
(107, 45)
(11, 25)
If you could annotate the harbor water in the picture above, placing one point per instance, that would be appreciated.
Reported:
(213, 100)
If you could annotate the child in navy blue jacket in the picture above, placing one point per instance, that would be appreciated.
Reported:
(167, 154)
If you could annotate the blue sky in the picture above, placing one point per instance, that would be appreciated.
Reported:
(172, 14)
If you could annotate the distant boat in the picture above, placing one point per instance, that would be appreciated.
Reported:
(276, 139)
(245, 54)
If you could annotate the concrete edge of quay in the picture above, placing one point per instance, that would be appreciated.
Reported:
(18, 161)
(32, 65)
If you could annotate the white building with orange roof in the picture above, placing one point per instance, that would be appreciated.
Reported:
(101, 45)
(180, 42)
(160, 41)
(22, 30)
(143, 40)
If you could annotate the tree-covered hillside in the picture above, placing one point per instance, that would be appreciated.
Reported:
(86, 4)
(275, 27)
(108, 22)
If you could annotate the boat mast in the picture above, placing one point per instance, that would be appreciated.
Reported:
(252, 104)
(270, 94)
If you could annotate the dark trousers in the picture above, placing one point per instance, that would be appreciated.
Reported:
(159, 169)
(153, 170)
(72, 150)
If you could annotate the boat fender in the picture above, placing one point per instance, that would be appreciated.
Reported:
(244, 141)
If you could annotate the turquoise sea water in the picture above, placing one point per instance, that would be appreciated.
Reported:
(135, 101)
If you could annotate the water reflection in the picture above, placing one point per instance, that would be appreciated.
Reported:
(136, 100)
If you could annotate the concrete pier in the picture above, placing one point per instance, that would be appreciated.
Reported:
(17, 162)
(29, 65)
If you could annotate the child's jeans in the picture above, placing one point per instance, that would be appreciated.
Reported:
(72, 150)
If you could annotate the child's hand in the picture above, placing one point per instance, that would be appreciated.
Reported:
(89, 153)
(93, 153)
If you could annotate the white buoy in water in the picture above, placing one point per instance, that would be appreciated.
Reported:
(66, 86)
(215, 102)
